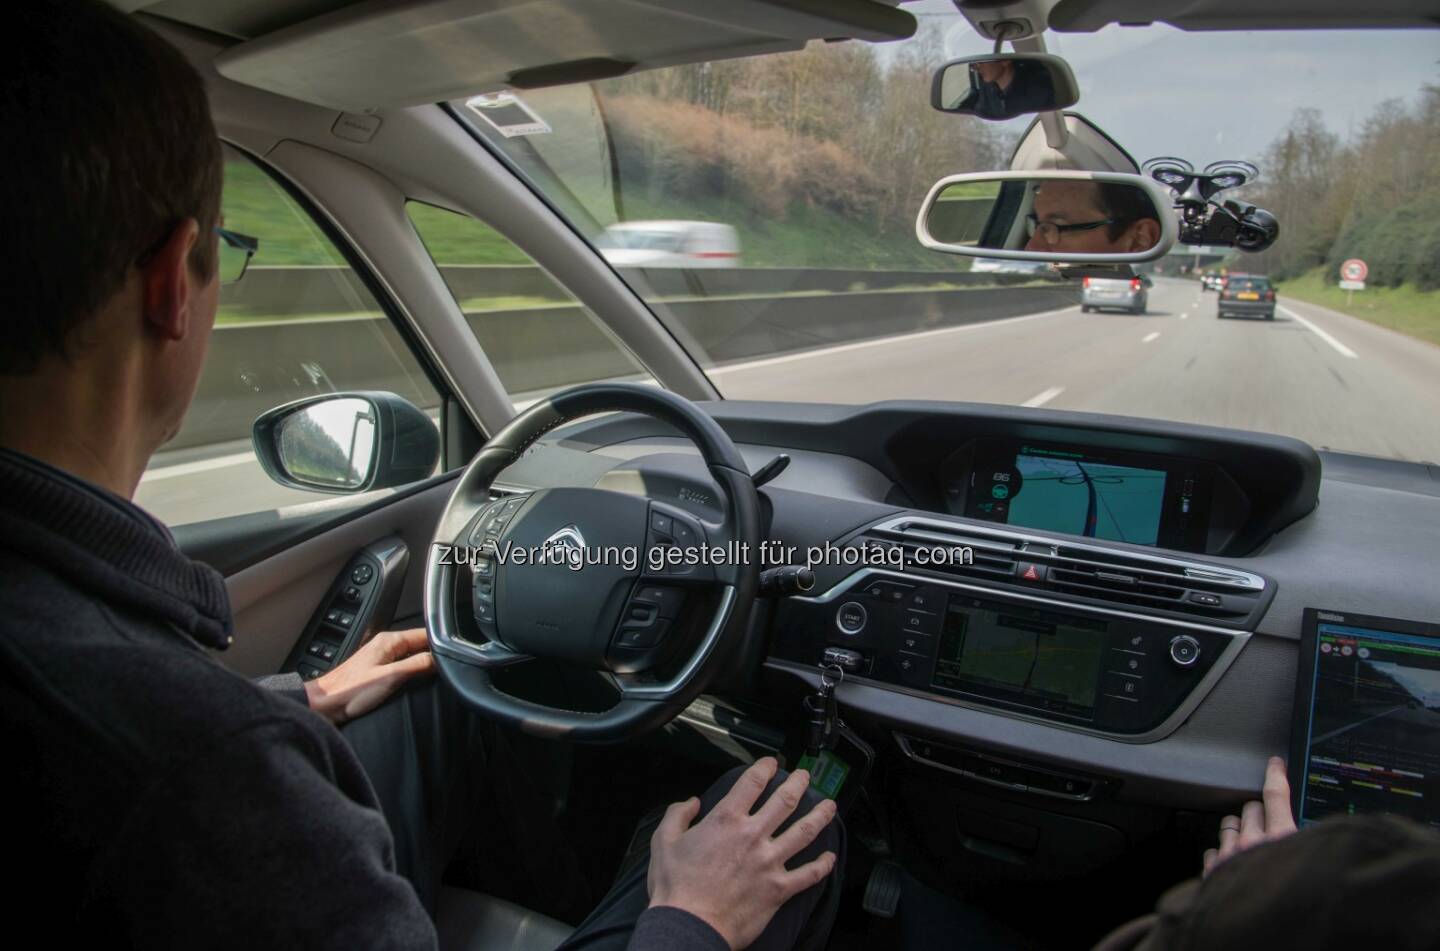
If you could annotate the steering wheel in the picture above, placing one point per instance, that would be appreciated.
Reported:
(611, 582)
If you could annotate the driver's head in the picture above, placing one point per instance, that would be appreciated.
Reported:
(1131, 223)
(111, 187)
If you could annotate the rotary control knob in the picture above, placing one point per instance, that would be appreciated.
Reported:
(1184, 650)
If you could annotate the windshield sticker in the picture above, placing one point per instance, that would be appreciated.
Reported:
(507, 114)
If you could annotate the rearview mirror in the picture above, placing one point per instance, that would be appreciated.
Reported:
(1003, 86)
(1061, 217)
(346, 443)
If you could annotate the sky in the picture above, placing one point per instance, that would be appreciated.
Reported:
(1220, 95)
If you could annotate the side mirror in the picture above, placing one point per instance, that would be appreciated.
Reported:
(346, 443)
(1059, 217)
(1003, 86)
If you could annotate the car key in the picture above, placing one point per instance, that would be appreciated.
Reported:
(823, 712)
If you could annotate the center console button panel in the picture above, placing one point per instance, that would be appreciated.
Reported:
(1109, 672)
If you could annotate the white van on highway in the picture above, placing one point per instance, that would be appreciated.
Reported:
(688, 244)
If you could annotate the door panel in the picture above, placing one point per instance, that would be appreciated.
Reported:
(274, 599)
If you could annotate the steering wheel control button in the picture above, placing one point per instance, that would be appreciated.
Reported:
(679, 540)
(483, 566)
(684, 535)
(1123, 687)
(851, 618)
(643, 638)
(667, 601)
(1184, 651)
(362, 574)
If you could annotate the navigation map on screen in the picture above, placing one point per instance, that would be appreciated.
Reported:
(1071, 494)
(1020, 654)
(1374, 728)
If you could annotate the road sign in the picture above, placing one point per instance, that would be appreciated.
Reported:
(1354, 270)
(1352, 285)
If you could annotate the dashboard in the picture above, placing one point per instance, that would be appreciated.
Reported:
(1128, 617)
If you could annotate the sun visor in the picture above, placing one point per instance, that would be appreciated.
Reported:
(384, 53)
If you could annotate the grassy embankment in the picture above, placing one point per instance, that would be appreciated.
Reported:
(1406, 309)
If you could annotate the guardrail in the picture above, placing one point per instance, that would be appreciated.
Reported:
(337, 290)
(253, 367)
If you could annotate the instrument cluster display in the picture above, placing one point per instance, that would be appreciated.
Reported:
(1118, 496)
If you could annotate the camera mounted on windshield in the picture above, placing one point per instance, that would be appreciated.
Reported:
(1203, 220)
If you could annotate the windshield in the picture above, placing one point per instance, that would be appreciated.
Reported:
(816, 163)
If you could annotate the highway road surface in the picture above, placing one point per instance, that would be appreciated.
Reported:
(1323, 377)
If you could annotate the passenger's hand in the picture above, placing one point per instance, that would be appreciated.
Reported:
(369, 676)
(729, 870)
(1258, 821)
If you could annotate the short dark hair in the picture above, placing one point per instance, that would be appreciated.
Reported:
(112, 146)
(1125, 203)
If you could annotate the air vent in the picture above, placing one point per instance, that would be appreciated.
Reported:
(1082, 572)
(992, 557)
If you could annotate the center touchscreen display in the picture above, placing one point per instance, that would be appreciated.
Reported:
(1372, 737)
(1125, 497)
(1025, 656)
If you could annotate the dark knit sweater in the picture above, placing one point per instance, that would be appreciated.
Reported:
(157, 799)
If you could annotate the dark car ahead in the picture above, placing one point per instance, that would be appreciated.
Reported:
(1246, 295)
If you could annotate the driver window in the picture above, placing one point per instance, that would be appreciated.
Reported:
(299, 322)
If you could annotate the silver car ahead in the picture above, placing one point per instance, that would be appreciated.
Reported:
(1131, 294)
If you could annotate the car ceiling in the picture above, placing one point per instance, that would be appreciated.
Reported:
(245, 19)
(1091, 15)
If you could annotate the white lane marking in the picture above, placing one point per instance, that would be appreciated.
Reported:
(1340, 348)
(879, 341)
(1151, 336)
(1040, 399)
(203, 465)
(1184, 315)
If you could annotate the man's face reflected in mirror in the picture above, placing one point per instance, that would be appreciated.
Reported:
(1092, 218)
(1001, 72)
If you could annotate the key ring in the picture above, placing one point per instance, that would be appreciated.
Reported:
(839, 677)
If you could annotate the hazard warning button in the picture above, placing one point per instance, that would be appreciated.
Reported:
(1030, 572)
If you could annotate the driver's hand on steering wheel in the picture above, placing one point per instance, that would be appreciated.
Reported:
(729, 869)
(371, 675)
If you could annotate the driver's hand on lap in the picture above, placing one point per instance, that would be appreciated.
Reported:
(1258, 821)
(368, 677)
(729, 869)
